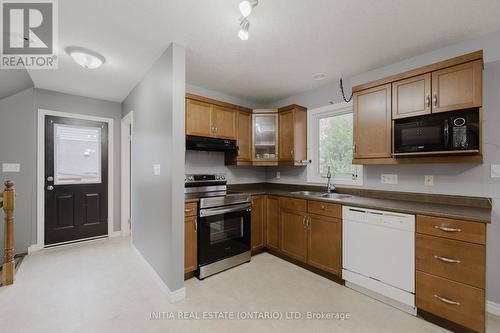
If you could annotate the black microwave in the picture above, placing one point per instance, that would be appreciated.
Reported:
(449, 131)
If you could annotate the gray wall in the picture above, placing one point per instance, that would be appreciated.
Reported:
(462, 179)
(18, 145)
(158, 138)
(55, 101)
(14, 81)
(197, 90)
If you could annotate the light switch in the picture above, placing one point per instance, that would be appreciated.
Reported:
(389, 179)
(156, 169)
(495, 171)
(11, 167)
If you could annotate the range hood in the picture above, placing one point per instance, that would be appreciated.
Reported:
(210, 144)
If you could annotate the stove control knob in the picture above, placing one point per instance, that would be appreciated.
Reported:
(217, 177)
(190, 178)
(223, 177)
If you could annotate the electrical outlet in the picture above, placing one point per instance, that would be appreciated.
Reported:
(278, 175)
(429, 180)
(389, 179)
(11, 167)
(495, 171)
(156, 169)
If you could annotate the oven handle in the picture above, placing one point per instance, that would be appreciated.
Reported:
(230, 209)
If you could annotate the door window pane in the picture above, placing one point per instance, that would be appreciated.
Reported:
(335, 144)
(77, 154)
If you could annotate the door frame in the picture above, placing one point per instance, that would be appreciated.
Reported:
(41, 172)
(126, 173)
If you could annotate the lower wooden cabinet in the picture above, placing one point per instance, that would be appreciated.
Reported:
(190, 238)
(272, 223)
(324, 243)
(293, 234)
(258, 221)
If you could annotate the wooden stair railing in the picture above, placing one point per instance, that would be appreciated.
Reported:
(8, 204)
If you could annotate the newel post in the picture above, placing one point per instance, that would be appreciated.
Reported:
(8, 261)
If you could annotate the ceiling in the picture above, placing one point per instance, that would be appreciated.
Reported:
(290, 40)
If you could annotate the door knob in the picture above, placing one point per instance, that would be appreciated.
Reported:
(50, 188)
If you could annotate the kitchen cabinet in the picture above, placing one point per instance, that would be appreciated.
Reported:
(244, 136)
(198, 118)
(265, 137)
(451, 270)
(411, 97)
(292, 134)
(293, 234)
(324, 243)
(458, 87)
(258, 221)
(372, 123)
(224, 122)
(272, 223)
(190, 238)
(205, 118)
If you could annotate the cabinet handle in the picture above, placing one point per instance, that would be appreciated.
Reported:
(309, 222)
(448, 260)
(447, 229)
(428, 101)
(291, 152)
(304, 221)
(354, 148)
(188, 210)
(195, 226)
(216, 129)
(435, 99)
(445, 300)
(323, 207)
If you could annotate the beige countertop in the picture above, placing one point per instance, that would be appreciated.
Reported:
(474, 214)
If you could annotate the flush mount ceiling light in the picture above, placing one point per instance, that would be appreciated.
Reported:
(319, 76)
(247, 6)
(86, 58)
(244, 27)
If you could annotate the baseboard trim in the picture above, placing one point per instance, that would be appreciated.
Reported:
(116, 234)
(34, 248)
(493, 308)
(174, 296)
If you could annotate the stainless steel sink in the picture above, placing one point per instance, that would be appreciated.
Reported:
(308, 193)
(336, 196)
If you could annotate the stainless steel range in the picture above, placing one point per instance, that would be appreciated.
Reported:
(224, 224)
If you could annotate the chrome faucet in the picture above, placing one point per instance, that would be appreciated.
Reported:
(329, 186)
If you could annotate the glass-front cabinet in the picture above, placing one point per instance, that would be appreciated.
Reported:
(265, 135)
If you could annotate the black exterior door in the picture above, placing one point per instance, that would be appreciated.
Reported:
(76, 179)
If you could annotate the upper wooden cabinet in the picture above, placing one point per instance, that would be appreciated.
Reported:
(205, 118)
(372, 122)
(244, 136)
(411, 97)
(224, 122)
(292, 134)
(458, 87)
(198, 118)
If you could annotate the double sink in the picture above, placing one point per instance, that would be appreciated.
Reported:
(334, 196)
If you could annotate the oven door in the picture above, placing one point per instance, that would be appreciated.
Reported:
(421, 136)
(223, 232)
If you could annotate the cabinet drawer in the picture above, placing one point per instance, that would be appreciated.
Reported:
(293, 204)
(190, 209)
(455, 260)
(324, 208)
(473, 232)
(462, 304)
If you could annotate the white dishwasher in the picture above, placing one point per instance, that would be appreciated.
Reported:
(378, 255)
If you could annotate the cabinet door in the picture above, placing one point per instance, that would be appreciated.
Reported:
(372, 122)
(293, 234)
(457, 87)
(198, 118)
(272, 223)
(224, 122)
(411, 97)
(258, 221)
(324, 247)
(190, 244)
(286, 137)
(244, 136)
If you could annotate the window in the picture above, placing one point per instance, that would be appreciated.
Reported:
(330, 131)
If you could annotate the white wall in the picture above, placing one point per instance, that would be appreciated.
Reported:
(462, 179)
(158, 138)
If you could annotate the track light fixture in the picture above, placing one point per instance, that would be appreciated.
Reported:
(246, 8)
(244, 27)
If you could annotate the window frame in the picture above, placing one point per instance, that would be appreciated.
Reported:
(313, 117)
